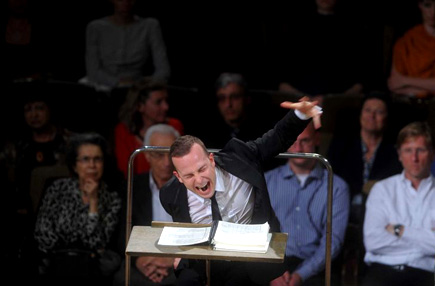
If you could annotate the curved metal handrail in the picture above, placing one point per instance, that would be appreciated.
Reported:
(315, 156)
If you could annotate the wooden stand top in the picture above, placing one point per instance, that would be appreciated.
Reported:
(143, 242)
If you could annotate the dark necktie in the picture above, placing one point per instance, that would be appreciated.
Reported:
(216, 214)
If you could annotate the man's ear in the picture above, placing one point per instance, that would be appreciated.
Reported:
(178, 176)
(211, 158)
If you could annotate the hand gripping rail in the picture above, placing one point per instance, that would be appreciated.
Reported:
(281, 155)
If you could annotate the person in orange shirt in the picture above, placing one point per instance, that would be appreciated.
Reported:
(413, 68)
(146, 104)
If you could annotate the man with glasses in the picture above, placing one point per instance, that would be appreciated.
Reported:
(399, 225)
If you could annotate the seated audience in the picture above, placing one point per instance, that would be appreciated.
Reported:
(229, 185)
(399, 225)
(413, 67)
(298, 194)
(146, 104)
(236, 117)
(146, 207)
(78, 217)
(121, 47)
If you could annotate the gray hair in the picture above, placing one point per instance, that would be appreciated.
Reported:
(226, 78)
(159, 128)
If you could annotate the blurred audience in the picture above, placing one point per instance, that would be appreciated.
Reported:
(121, 47)
(78, 217)
(146, 104)
(146, 207)
(298, 194)
(413, 67)
(399, 225)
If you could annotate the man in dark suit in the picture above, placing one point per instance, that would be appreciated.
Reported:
(232, 182)
(146, 207)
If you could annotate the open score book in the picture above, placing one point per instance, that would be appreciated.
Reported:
(220, 235)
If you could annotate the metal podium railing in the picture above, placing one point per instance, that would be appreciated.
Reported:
(315, 156)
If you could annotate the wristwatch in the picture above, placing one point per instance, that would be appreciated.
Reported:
(397, 229)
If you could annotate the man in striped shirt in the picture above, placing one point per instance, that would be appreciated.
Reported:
(298, 194)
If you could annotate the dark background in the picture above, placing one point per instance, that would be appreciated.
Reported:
(203, 40)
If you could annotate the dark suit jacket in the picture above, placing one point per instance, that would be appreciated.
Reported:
(345, 156)
(244, 160)
(142, 210)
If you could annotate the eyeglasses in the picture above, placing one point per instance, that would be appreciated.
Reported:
(87, 159)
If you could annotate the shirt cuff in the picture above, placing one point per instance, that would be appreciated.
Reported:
(303, 116)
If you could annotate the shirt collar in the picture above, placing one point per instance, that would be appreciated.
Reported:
(316, 173)
(153, 185)
(220, 179)
(426, 183)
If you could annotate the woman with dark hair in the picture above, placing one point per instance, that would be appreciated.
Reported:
(79, 214)
(363, 158)
(146, 104)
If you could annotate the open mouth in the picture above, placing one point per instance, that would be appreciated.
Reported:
(203, 188)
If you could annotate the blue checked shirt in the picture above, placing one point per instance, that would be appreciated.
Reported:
(301, 211)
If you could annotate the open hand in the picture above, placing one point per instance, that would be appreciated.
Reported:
(309, 108)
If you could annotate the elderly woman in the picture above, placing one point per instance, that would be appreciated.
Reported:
(78, 212)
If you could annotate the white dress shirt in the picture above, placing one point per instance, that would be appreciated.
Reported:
(234, 196)
(159, 213)
(395, 201)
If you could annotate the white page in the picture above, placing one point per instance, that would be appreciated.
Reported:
(184, 236)
(245, 248)
(241, 234)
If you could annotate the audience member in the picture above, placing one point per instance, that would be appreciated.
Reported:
(35, 141)
(327, 57)
(121, 47)
(229, 185)
(298, 194)
(399, 225)
(145, 105)
(413, 67)
(236, 118)
(370, 152)
(146, 207)
(361, 159)
(78, 216)
(41, 142)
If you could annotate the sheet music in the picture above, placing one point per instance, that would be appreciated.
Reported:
(241, 234)
(184, 236)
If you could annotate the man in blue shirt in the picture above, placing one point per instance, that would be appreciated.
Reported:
(298, 193)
